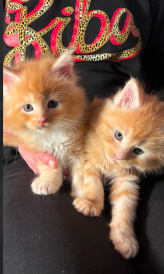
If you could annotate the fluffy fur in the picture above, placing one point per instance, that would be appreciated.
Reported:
(59, 129)
(139, 118)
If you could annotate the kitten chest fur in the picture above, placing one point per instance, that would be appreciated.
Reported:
(59, 144)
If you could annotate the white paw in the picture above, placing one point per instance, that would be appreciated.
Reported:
(43, 187)
(86, 207)
(124, 242)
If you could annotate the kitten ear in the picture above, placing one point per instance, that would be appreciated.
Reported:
(10, 76)
(64, 65)
(130, 96)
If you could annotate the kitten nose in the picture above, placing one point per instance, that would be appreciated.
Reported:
(42, 122)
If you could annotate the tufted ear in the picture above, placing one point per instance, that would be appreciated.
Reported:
(10, 76)
(130, 97)
(64, 65)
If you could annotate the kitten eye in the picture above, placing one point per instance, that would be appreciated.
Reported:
(52, 104)
(118, 135)
(138, 150)
(28, 108)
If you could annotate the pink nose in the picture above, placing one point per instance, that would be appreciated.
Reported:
(42, 122)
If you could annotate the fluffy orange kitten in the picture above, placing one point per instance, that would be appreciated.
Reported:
(126, 138)
(47, 112)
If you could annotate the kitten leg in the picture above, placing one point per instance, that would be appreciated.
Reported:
(124, 196)
(77, 182)
(77, 177)
(91, 201)
(49, 180)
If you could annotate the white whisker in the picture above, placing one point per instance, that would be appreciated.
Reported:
(72, 121)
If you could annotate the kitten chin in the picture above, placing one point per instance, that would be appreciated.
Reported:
(44, 129)
(125, 164)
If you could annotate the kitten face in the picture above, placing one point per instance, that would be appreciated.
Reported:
(134, 136)
(130, 149)
(42, 95)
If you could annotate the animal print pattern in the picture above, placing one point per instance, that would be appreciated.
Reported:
(24, 35)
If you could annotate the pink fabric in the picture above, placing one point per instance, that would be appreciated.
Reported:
(45, 158)
(30, 159)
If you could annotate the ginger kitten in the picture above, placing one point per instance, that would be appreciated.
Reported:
(126, 139)
(46, 110)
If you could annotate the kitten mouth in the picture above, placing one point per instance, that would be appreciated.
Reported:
(113, 160)
(119, 162)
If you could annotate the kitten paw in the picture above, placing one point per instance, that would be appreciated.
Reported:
(43, 187)
(127, 245)
(86, 207)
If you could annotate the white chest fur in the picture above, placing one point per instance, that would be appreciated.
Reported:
(56, 143)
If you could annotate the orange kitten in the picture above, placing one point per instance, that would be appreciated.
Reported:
(126, 139)
(47, 112)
